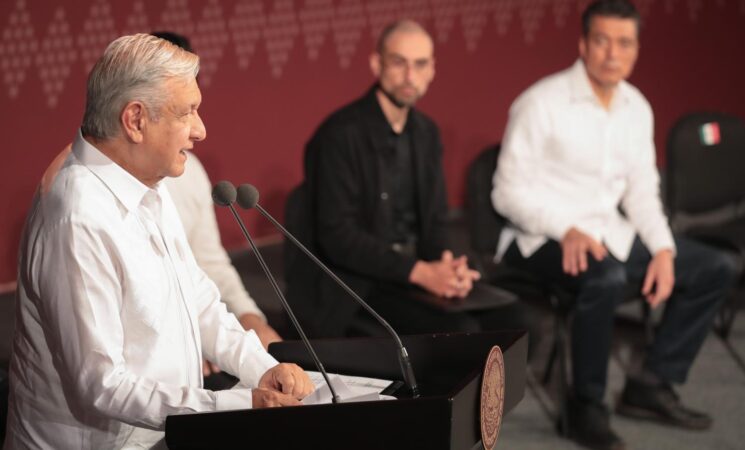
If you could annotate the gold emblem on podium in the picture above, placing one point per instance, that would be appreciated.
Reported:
(492, 398)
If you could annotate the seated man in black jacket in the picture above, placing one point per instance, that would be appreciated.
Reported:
(377, 198)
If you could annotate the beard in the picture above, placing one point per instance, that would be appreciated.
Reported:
(399, 100)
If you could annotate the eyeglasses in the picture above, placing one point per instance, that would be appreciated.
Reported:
(399, 63)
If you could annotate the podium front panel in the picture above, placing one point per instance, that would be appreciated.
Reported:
(445, 416)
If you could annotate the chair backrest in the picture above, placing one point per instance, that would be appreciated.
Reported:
(299, 222)
(705, 163)
(4, 393)
(301, 275)
(484, 224)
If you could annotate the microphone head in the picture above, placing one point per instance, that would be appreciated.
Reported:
(224, 193)
(248, 196)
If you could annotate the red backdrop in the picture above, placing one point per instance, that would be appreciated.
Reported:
(272, 70)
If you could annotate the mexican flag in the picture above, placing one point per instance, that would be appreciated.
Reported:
(709, 133)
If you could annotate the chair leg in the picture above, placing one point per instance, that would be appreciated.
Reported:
(551, 359)
(648, 323)
(560, 351)
(564, 388)
(558, 320)
(726, 317)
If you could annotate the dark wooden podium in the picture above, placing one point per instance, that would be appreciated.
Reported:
(448, 368)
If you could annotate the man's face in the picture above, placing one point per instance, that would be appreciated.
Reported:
(609, 50)
(405, 67)
(177, 128)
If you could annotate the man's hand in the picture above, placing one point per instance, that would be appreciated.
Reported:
(661, 277)
(447, 277)
(462, 272)
(575, 245)
(288, 379)
(264, 398)
(208, 368)
(266, 333)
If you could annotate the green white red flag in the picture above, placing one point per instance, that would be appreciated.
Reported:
(709, 133)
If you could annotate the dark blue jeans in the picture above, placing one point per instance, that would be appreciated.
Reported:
(703, 277)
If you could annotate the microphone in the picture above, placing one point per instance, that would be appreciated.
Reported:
(224, 194)
(248, 197)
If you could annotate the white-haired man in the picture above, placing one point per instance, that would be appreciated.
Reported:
(114, 314)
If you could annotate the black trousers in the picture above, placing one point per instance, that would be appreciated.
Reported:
(703, 277)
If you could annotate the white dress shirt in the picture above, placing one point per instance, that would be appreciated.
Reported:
(568, 162)
(192, 195)
(114, 315)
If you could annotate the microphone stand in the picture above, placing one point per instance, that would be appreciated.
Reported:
(403, 355)
(278, 291)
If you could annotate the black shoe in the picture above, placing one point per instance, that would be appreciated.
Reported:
(659, 403)
(589, 425)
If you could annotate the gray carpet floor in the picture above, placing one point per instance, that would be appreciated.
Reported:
(716, 385)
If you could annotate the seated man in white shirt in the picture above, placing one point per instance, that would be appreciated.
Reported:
(114, 315)
(578, 145)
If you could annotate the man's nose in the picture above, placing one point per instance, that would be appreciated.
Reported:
(198, 130)
(409, 72)
(614, 50)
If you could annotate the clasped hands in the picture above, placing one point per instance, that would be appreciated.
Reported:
(447, 277)
(658, 281)
(283, 385)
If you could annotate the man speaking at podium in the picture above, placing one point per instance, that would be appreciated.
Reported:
(114, 315)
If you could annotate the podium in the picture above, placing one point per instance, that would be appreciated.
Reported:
(446, 415)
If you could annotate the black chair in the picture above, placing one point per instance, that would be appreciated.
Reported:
(3, 402)
(705, 190)
(485, 226)
(303, 276)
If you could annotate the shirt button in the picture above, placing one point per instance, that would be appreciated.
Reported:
(384, 195)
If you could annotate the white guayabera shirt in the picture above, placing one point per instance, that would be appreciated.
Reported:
(114, 315)
(566, 161)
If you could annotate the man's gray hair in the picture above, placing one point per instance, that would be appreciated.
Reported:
(132, 68)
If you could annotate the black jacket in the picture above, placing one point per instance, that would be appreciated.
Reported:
(350, 209)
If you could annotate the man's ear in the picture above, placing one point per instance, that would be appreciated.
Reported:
(375, 64)
(133, 118)
(582, 46)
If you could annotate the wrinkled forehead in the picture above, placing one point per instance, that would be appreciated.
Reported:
(182, 92)
(409, 44)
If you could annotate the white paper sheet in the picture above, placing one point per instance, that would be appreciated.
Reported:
(348, 388)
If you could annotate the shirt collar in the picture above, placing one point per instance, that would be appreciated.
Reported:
(125, 187)
(582, 90)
